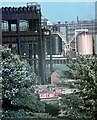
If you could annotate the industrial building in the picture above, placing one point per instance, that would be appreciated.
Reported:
(74, 35)
(72, 31)
(40, 42)
(22, 32)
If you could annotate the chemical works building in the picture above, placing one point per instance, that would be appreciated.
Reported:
(31, 38)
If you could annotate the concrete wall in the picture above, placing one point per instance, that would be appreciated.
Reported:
(85, 44)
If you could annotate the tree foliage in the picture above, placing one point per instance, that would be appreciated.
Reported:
(83, 104)
(52, 108)
(18, 79)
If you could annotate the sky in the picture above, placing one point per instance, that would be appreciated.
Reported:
(63, 11)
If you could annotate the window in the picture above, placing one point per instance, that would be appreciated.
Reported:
(13, 27)
(4, 25)
(23, 25)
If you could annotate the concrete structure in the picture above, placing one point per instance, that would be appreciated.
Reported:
(68, 28)
(85, 44)
(23, 25)
(68, 33)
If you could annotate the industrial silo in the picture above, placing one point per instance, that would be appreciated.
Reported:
(85, 44)
(56, 43)
(95, 44)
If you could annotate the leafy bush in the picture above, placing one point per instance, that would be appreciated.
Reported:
(52, 109)
(84, 70)
(18, 79)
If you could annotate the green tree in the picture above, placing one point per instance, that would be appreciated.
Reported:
(82, 104)
(18, 79)
(52, 108)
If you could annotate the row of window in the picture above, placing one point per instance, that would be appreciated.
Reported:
(23, 26)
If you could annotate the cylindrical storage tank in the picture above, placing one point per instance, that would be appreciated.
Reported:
(95, 44)
(55, 45)
(85, 44)
(56, 42)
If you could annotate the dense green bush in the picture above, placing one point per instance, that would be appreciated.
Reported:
(52, 109)
(83, 104)
(18, 79)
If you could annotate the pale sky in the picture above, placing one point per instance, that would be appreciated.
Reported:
(62, 11)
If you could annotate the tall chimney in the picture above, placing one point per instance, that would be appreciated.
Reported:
(77, 19)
